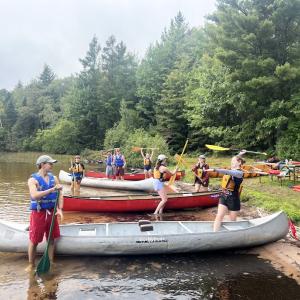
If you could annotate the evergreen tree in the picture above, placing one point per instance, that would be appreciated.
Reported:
(47, 76)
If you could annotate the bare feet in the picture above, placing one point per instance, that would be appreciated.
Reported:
(30, 268)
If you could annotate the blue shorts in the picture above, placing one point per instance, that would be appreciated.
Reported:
(147, 168)
(158, 185)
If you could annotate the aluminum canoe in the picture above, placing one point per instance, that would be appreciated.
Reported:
(142, 185)
(166, 237)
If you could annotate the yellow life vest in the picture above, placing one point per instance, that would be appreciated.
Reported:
(229, 184)
(77, 168)
(200, 172)
(158, 175)
(147, 162)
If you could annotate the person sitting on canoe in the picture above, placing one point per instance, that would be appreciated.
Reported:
(201, 176)
(159, 174)
(109, 165)
(78, 170)
(43, 189)
(119, 163)
(231, 186)
(147, 163)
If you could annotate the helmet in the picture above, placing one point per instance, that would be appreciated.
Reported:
(161, 157)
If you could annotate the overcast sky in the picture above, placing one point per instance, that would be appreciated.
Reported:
(58, 32)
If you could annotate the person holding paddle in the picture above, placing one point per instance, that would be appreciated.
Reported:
(43, 189)
(147, 163)
(232, 187)
(201, 175)
(78, 170)
(159, 173)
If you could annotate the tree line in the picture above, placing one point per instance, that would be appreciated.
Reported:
(233, 82)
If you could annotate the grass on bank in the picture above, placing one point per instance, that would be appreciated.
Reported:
(267, 194)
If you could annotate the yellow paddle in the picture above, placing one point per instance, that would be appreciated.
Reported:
(219, 148)
(173, 177)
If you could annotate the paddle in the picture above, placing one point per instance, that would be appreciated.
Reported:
(44, 263)
(219, 148)
(73, 178)
(138, 149)
(173, 177)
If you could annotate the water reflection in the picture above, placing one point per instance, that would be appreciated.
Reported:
(160, 277)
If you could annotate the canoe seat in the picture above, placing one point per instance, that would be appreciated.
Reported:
(233, 227)
(87, 232)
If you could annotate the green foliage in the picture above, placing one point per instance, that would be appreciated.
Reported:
(62, 138)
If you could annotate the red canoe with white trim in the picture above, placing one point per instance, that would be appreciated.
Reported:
(130, 176)
(134, 203)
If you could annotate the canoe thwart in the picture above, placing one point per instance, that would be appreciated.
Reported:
(144, 222)
(146, 227)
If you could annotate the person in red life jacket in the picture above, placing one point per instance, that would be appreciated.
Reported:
(231, 187)
(78, 171)
(201, 175)
(119, 163)
(43, 189)
(109, 171)
(159, 174)
(147, 164)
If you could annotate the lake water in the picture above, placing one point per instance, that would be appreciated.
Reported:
(222, 275)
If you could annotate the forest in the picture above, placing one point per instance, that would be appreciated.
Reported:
(233, 82)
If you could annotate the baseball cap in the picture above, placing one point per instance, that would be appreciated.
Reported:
(45, 159)
(202, 156)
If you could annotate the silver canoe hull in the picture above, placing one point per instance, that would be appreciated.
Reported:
(141, 185)
(166, 237)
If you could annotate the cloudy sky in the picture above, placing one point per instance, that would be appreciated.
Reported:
(58, 32)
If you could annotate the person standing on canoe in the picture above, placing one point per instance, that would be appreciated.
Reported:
(232, 187)
(78, 170)
(147, 163)
(119, 163)
(109, 171)
(159, 174)
(43, 189)
(201, 175)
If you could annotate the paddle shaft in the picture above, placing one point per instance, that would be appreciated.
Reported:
(173, 177)
(44, 263)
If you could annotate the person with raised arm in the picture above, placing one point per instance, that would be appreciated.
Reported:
(147, 163)
(231, 190)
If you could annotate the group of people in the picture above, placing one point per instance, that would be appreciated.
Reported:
(44, 190)
(116, 163)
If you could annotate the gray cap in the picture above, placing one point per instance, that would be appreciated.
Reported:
(202, 156)
(45, 159)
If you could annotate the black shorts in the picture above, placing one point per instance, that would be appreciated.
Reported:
(232, 203)
(203, 183)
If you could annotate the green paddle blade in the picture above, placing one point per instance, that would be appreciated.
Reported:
(44, 264)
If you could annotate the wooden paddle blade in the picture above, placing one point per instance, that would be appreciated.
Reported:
(136, 149)
(216, 148)
(43, 265)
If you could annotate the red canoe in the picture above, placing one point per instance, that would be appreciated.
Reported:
(133, 203)
(130, 176)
